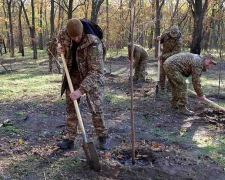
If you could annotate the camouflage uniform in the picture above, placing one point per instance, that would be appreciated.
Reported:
(179, 66)
(1, 44)
(171, 46)
(52, 51)
(140, 62)
(87, 75)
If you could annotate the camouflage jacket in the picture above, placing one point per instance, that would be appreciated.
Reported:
(89, 57)
(171, 45)
(139, 54)
(188, 64)
(52, 47)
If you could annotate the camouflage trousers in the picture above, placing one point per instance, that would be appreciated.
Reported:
(178, 86)
(162, 78)
(51, 61)
(140, 72)
(95, 103)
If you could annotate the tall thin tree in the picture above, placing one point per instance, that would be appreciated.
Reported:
(198, 10)
(21, 47)
(157, 22)
(9, 4)
(41, 26)
(52, 18)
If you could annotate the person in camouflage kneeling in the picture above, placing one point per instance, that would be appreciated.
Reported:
(172, 43)
(180, 66)
(140, 62)
(84, 53)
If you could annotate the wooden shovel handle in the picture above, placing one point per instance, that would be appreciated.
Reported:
(210, 102)
(75, 101)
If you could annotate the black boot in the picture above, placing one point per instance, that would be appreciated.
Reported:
(103, 143)
(66, 144)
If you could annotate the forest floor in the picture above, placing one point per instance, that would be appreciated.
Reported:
(169, 146)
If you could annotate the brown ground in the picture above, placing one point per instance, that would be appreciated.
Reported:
(165, 148)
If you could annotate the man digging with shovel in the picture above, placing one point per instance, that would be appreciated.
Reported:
(83, 51)
(180, 66)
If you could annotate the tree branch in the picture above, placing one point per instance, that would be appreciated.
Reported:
(160, 7)
(61, 6)
(205, 6)
(81, 4)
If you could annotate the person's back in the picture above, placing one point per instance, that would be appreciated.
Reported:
(140, 62)
(186, 63)
(138, 49)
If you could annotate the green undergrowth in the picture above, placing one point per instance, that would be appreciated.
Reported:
(28, 81)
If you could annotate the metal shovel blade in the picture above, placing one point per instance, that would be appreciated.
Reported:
(94, 157)
(91, 155)
(87, 154)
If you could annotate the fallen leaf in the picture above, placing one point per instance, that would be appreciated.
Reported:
(155, 144)
(20, 141)
(107, 155)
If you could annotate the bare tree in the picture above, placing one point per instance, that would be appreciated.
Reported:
(31, 27)
(86, 9)
(107, 21)
(96, 4)
(21, 47)
(174, 12)
(69, 7)
(9, 4)
(198, 10)
(41, 26)
(60, 17)
(157, 23)
(6, 26)
(34, 44)
(150, 45)
(52, 15)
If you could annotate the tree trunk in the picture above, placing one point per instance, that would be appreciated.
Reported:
(21, 47)
(31, 28)
(46, 32)
(9, 3)
(6, 27)
(150, 45)
(41, 26)
(157, 23)
(33, 31)
(70, 10)
(52, 18)
(198, 13)
(107, 21)
(96, 4)
(86, 9)
(59, 17)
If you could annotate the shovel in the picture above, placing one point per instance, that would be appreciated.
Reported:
(158, 80)
(209, 101)
(88, 147)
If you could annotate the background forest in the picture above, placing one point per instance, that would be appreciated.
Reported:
(31, 23)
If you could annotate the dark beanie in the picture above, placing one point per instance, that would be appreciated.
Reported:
(74, 27)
